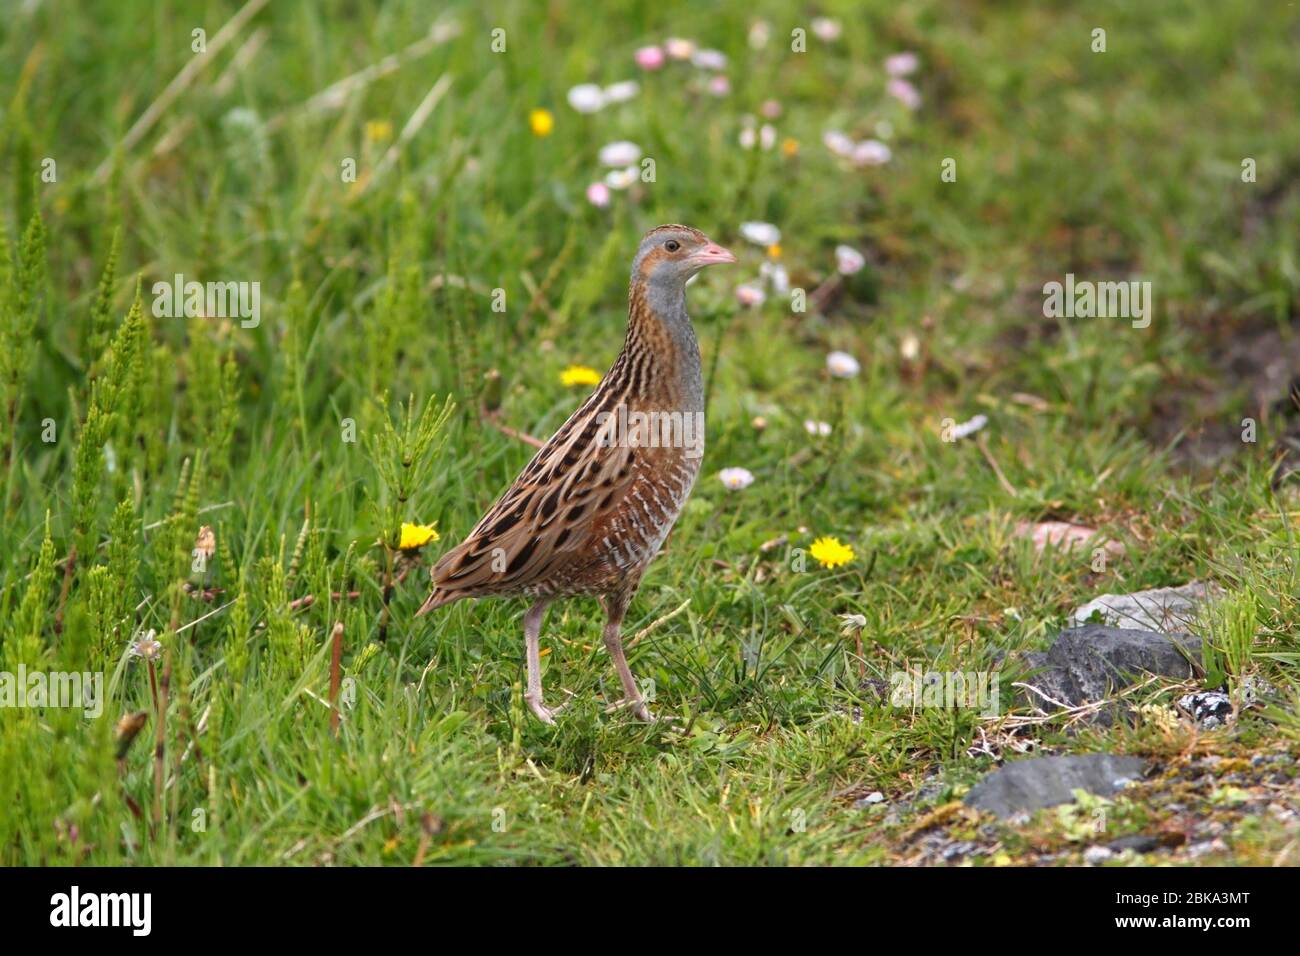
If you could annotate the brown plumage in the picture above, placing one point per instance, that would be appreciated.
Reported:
(591, 510)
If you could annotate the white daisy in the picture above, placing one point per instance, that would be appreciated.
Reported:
(736, 478)
(776, 273)
(848, 260)
(842, 365)
(820, 429)
(967, 428)
(587, 98)
(621, 153)
(760, 233)
(622, 178)
(622, 92)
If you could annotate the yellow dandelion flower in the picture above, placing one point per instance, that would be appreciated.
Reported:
(774, 250)
(416, 536)
(789, 147)
(542, 122)
(579, 375)
(379, 131)
(830, 553)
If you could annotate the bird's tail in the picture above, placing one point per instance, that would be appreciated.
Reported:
(437, 599)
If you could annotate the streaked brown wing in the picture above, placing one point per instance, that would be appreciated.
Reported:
(545, 520)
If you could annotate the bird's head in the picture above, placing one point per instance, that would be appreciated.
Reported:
(669, 255)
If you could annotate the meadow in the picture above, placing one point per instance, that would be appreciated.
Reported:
(225, 501)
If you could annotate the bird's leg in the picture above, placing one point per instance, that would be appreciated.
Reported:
(615, 608)
(533, 663)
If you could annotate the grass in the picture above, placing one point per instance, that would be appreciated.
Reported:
(305, 442)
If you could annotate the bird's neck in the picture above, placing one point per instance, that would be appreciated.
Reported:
(659, 330)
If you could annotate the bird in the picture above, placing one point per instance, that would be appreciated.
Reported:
(591, 510)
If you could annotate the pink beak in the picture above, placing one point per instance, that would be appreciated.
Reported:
(712, 254)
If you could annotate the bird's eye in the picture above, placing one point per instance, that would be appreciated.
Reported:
(672, 245)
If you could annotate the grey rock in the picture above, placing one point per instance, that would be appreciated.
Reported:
(1206, 847)
(1137, 842)
(1158, 609)
(872, 798)
(1038, 782)
(1089, 663)
(959, 849)
(1097, 854)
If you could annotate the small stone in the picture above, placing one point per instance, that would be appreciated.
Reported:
(870, 799)
(1095, 855)
(1206, 847)
(1137, 842)
(1157, 609)
(961, 848)
(1027, 785)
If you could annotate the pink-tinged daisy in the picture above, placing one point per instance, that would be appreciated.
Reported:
(598, 195)
(736, 478)
(871, 152)
(902, 64)
(649, 57)
(904, 92)
(719, 85)
(750, 294)
(621, 153)
(709, 60)
(824, 28)
(760, 31)
(838, 143)
(679, 49)
(587, 98)
(842, 365)
(813, 427)
(771, 109)
(148, 646)
(848, 260)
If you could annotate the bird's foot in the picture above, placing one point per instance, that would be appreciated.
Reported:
(545, 714)
(637, 707)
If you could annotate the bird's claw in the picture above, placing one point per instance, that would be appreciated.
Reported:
(545, 714)
(637, 707)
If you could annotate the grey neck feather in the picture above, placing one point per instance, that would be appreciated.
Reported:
(666, 298)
